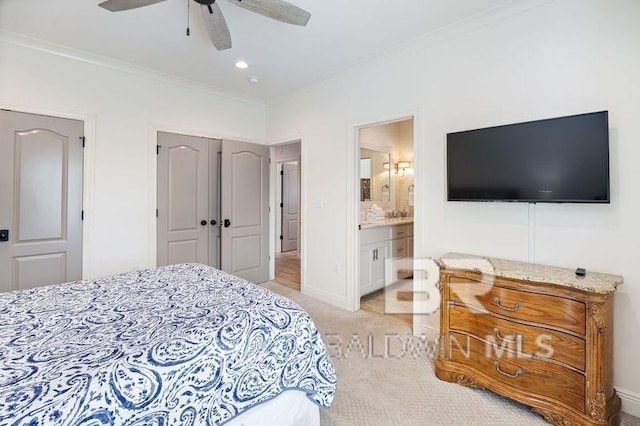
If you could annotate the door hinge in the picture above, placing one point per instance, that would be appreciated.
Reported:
(281, 237)
(158, 149)
(84, 140)
(269, 209)
(156, 212)
(269, 160)
(359, 227)
(281, 172)
(281, 205)
(82, 215)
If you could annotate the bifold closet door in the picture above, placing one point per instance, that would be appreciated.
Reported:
(187, 215)
(41, 161)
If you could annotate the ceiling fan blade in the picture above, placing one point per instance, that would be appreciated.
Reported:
(276, 9)
(216, 26)
(120, 5)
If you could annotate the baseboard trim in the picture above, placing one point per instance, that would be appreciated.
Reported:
(630, 401)
(325, 296)
(430, 333)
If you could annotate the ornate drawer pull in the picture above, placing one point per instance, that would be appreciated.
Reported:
(518, 337)
(518, 372)
(496, 300)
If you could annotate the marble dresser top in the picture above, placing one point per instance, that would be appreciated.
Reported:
(594, 282)
(387, 222)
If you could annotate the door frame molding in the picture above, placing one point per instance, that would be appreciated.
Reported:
(152, 162)
(88, 173)
(353, 189)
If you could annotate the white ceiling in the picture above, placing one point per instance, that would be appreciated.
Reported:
(339, 34)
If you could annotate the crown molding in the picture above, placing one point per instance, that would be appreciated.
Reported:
(466, 25)
(20, 40)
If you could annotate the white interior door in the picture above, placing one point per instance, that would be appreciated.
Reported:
(245, 210)
(187, 224)
(290, 206)
(40, 200)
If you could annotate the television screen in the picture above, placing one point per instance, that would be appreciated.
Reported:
(557, 160)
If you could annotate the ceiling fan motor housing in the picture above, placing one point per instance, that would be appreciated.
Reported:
(205, 2)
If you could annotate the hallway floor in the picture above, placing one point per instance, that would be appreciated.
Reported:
(288, 269)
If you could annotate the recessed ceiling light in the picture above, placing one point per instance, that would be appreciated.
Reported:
(254, 79)
(242, 65)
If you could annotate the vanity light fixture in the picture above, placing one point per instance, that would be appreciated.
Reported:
(402, 166)
(399, 168)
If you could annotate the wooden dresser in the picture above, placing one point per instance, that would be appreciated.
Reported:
(537, 334)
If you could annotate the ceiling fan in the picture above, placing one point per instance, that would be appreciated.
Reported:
(214, 20)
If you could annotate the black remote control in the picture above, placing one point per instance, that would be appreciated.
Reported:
(581, 272)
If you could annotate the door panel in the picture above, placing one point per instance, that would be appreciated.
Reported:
(245, 194)
(183, 171)
(40, 162)
(290, 206)
(246, 170)
(183, 188)
(41, 192)
(32, 271)
(184, 251)
(249, 249)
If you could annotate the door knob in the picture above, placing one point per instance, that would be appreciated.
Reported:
(203, 222)
(4, 235)
(227, 223)
(214, 222)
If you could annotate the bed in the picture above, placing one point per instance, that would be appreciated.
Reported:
(176, 345)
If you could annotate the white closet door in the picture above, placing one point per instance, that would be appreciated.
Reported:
(245, 210)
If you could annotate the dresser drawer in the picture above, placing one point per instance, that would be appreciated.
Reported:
(544, 309)
(548, 380)
(522, 339)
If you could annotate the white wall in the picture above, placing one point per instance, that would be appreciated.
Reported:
(563, 57)
(121, 108)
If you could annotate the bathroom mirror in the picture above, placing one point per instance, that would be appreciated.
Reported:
(375, 176)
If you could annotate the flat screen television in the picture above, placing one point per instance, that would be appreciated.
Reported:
(557, 160)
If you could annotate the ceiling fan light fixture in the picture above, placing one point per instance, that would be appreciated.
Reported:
(242, 65)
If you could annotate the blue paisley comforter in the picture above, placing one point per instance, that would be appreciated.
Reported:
(177, 345)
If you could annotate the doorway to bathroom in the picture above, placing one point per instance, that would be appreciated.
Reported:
(386, 213)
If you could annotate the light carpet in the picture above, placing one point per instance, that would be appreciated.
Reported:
(385, 376)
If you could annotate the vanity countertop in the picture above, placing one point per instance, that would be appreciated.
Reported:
(390, 221)
(594, 282)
